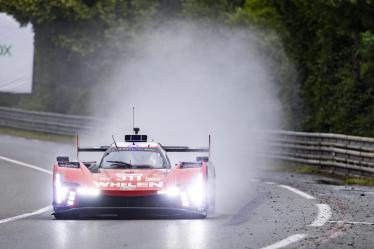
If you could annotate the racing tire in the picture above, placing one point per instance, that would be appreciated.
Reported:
(211, 203)
(211, 207)
(198, 216)
(201, 216)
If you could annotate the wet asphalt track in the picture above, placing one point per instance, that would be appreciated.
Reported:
(272, 216)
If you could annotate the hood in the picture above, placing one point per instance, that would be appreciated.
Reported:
(130, 180)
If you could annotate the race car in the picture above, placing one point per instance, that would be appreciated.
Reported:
(134, 177)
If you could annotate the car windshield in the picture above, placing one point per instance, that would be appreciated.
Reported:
(133, 158)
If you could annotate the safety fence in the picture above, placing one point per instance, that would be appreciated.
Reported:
(46, 122)
(350, 153)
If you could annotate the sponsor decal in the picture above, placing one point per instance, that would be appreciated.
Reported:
(152, 179)
(129, 177)
(128, 185)
(5, 50)
(129, 181)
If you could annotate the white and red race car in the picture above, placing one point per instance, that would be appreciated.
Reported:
(134, 177)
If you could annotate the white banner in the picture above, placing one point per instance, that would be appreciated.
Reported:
(16, 56)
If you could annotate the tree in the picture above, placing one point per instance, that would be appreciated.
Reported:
(331, 43)
(74, 45)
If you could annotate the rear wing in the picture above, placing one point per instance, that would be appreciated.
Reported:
(89, 149)
(185, 149)
(188, 149)
(93, 149)
(166, 148)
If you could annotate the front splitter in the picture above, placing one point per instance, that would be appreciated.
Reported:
(130, 212)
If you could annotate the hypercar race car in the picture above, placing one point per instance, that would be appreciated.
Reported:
(134, 177)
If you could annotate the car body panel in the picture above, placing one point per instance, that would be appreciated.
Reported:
(79, 190)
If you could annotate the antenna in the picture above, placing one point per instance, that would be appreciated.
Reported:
(209, 142)
(135, 129)
(115, 142)
(133, 118)
(77, 144)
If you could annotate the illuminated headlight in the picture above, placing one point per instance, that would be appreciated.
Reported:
(196, 191)
(60, 190)
(170, 192)
(84, 191)
(190, 195)
(71, 198)
(184, 199)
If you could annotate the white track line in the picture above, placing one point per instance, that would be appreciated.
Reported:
(285, 242)
(25, 165)
(324, 214)
(298, 192)
(18, 217)
(39, 211)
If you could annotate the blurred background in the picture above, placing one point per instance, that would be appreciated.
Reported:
(318, 54)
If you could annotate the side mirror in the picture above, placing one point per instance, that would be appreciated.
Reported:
(62, 159)
(202, 159)
(94, 167)
(90, 164)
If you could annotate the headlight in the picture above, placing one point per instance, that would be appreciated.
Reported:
(196, 191)
(64, 192)
(192, 194)
(67, 192)
(60, 190)
(71, 198)
(170, 191)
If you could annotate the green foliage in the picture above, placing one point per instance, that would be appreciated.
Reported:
(206, 9)
(38, 12)
(329, 42)
(75, 42)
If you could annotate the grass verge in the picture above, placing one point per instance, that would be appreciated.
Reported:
(348, 180)
(366, 181)
(35, 135)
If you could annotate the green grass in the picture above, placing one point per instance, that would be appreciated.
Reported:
(348, 180)
(35, 135)
(365, 181)
(306, 169)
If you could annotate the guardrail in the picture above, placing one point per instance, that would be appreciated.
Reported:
(350, 153)
(52, 123)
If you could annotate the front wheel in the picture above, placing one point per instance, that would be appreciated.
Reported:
(211, 200)
(201, 216)
(212, 207)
